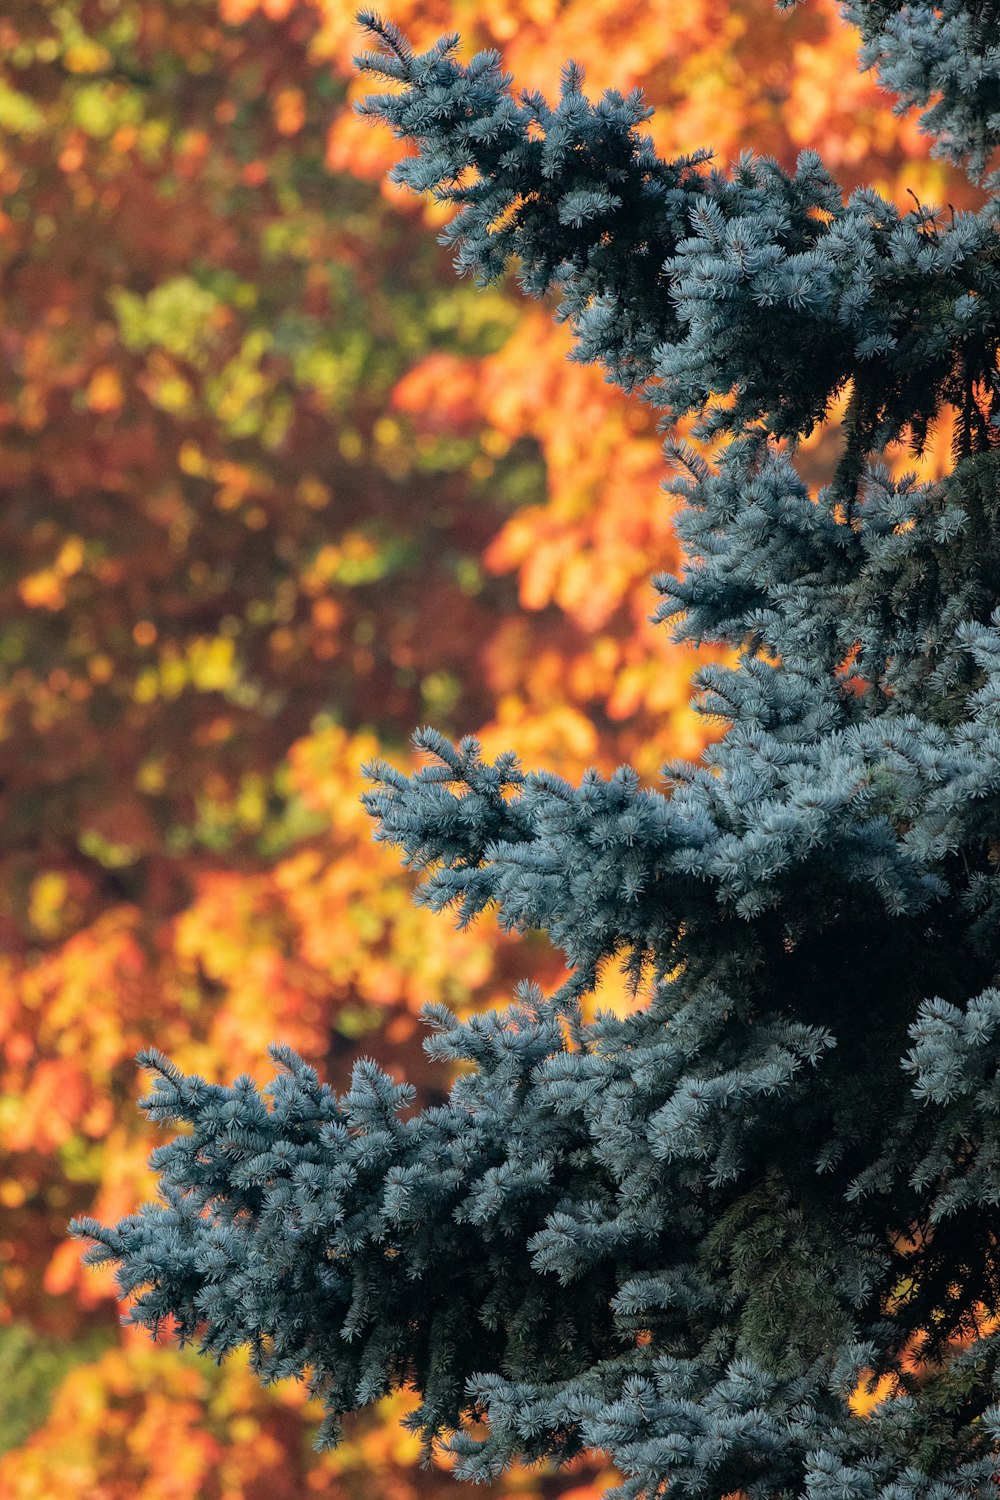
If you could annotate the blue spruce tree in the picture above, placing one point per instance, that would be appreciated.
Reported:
(683, 1237)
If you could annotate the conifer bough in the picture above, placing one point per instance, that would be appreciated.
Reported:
(684, 1237)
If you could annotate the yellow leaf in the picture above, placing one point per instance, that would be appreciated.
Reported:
(42, 590)
(46, 903)
(104, 393)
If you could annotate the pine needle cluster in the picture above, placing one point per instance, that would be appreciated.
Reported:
(684, 1237)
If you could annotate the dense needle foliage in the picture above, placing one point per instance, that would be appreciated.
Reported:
(686, 1235)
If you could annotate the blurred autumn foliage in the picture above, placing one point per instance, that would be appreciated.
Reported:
(275, 490)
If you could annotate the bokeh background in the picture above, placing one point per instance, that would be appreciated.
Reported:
(275, 488)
